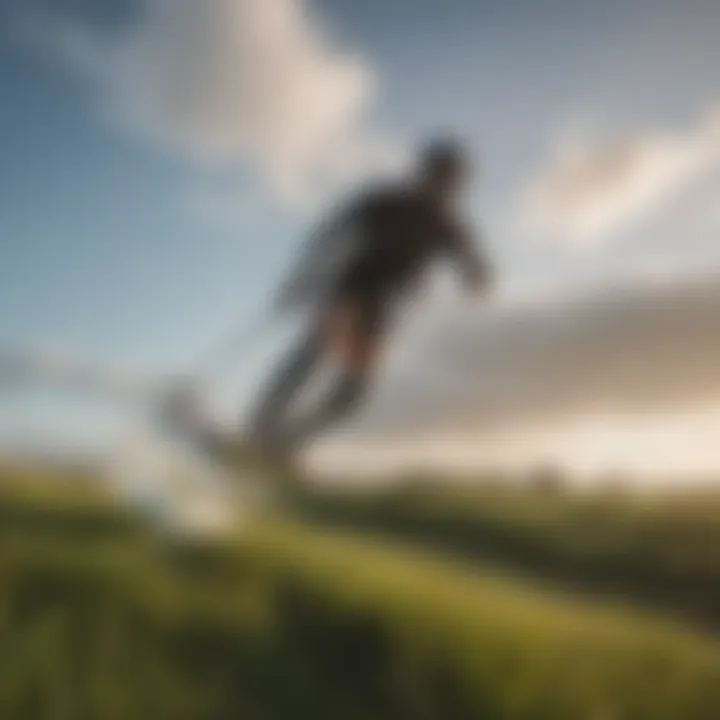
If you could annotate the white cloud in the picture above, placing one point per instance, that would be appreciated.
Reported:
(253, 83)
(589, 191)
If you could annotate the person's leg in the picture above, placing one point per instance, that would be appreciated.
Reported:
(342, 401)
(351, 335)
(285, 383)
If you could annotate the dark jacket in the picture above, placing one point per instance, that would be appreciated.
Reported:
(380, 245)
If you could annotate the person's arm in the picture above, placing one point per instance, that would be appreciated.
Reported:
(471, 260)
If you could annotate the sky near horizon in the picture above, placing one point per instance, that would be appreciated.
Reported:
(161, 160)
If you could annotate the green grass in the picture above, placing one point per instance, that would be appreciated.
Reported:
(101, 618)
(663, 550)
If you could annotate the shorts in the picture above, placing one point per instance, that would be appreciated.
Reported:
(354, 322)
(369, 294)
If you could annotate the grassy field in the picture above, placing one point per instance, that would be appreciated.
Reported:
(102, 617)
(662, 550)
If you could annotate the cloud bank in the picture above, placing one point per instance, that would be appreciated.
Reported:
(644, 350)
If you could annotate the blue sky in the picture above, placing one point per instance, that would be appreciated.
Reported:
(129, 236)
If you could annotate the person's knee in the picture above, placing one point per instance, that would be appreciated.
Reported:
(349, 339)
(349, 393)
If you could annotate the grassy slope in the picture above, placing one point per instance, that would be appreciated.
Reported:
(662, 550)
(101, 619)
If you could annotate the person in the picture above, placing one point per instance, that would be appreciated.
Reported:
(363, 261)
